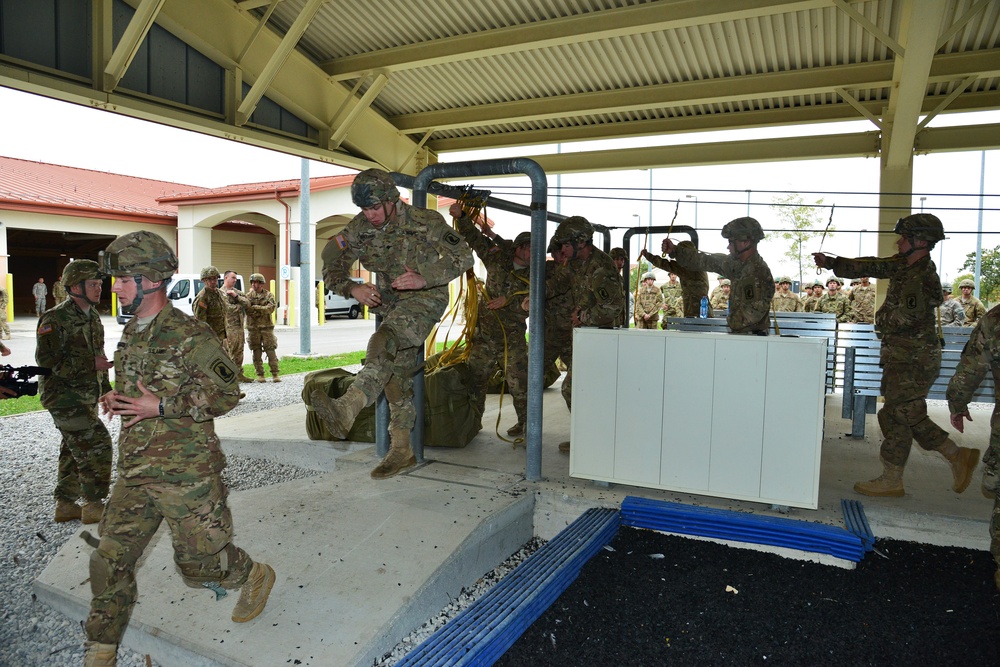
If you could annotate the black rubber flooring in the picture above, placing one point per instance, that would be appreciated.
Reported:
(665, 600)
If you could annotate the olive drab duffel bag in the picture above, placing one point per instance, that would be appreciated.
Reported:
(335, 381)
(452, 417)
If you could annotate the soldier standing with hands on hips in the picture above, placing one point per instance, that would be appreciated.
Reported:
(172, 378)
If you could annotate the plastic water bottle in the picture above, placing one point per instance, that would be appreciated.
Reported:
(703, 312)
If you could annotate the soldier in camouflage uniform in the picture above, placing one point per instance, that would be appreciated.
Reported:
(58, 292)
(720, 302)
(863, 301)
(648, 303)
(4, 326)
(974, 308)
(670, 289)
(815, 292)
(949, 313)
(236, 305)
(981, 356)
(499, 337)
(752, 282)
(694, 283)
(415, 254)
(558, 309)
(619, 257)
(172, 378)
(785, 300)
(598, 298)
(70, 341)
(39, 291)
(910, 356)
(260, 328)
(834, 302)
(209, 306)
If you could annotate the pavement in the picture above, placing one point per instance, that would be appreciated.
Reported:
(361, 563)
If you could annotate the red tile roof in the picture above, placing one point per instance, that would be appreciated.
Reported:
(37, 186)
(263, 190)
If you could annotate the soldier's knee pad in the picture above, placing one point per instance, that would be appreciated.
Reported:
(382, 345)
(100, 572)
(208, 568)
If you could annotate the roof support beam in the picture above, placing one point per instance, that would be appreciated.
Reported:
(277, 59)
(131, 40)
(338, 135)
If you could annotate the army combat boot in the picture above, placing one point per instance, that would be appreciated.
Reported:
(963, 461)
(887, 485)
(399, 458)
(66, 511)
(100, 655)
(253, 594)
(339, 414)
(92, 512)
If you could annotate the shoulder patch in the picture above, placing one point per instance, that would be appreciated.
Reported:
(44, 329)
(602, 292)
(340, 241)
(222, 370)
(451, 238)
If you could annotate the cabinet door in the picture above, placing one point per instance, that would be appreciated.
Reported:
(639, 410)
(687, 400)
(595, 390)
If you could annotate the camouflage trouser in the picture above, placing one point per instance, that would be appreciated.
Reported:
(651, 323)
(394, 354)
(39, 305)
(559, 345)
(908, 371)
(4, 327)
(486, 354)
(84, 454)
(263, 340)
(234, 343)
(201, 528)
(691, 304)
(567, 385)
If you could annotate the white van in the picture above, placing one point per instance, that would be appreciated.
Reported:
(335, 304)
(181, 290)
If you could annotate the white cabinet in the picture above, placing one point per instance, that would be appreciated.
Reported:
(721, 415)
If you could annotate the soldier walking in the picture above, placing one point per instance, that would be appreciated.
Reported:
(172, 378)
(70, 341)
(415, 254)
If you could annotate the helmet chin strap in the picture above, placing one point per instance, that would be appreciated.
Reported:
(83, 294)
(137, 301)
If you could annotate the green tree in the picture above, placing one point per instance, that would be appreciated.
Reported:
(989, 276)
(800, 222)
(633, 276)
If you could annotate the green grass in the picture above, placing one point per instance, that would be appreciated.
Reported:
(286, 365)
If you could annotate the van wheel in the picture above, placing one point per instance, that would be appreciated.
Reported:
(354, 312)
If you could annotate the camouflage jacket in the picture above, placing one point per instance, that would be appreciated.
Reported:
(417, 238)
(209, 307)
(39, 290)
(914, 292)
(650, 302)
(235, 311)
(751, 291)
(786, 302)
(68, 339)
(4, 299)
(835, 305)
(502, 277)
(177, 358)
(558, 297)
(980, 355)
(950, 313)
(974, 309)
(58, 291)
(671, 290)
(863, 304)
(720, 301)
(693, 283)
(597, 289)
(809, 304)
(260, 305)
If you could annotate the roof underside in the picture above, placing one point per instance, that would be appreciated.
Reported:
(399, 82)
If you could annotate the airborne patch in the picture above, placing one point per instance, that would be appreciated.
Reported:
(44, 329)
(603, 293)
(749, 293)
(222, 370)
(911, 302)
(451, 238)
(340, 241)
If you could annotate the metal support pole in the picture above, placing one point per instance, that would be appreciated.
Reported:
(307, 293)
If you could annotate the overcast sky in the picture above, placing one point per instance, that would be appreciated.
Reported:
(37, 128)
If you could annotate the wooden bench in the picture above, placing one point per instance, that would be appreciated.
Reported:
(863, 375)
(821, 325)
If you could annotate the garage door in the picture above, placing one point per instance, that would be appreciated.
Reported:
(235, 256)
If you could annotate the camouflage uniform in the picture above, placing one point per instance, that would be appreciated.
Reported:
(863, 303)
(693, 283)
(168, 468)
(618, 254)
(720, 302)
(504, 327)
(68, 340)
(417, 238)
(650, 302)
(235, 319)
(208, 306)
(974, 309)
(260, 331)
(786, 302)
(39, 291)
(670, 290)
(980, 356)
(4, 300)
(58, 292)
(911, 352)
(950, 313)
(558, 314)
(836, 304)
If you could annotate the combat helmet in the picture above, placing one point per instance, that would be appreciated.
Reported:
(80, 270)
(257, 278)
(743, 229)
(618, 253)
(522, 239)
(648, 276)
(967, 283)
(836, 279)
(923, 226)
(210, 272)
(785, 279)
(573, 228)
(139, 253)
(725, 281)
(946, 287)
(373, 187)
